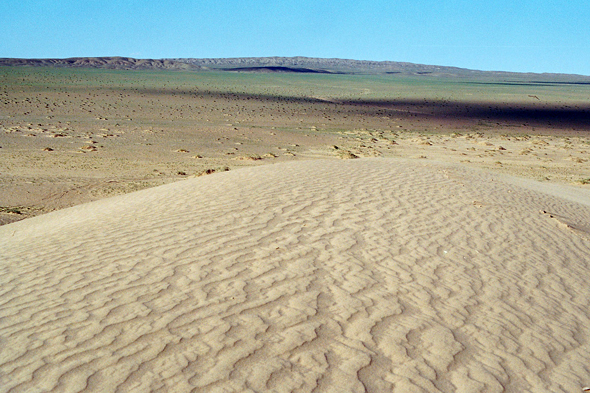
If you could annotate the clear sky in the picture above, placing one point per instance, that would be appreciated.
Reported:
(506, 35)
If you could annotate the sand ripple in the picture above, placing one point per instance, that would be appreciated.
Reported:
(326, 276)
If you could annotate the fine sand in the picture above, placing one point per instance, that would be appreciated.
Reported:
(373, 275)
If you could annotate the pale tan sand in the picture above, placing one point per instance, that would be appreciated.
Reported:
(328, 276)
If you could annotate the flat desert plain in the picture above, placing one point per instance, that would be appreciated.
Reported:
(69, 136)
(354, 233)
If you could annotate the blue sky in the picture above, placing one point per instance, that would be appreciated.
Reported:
(506, 35)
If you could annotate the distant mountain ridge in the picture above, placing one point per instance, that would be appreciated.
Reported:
(348, 66)
(116, 63)
(341, 66)
(297, 64)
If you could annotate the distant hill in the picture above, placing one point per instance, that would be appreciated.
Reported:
(290, 64)
(340, 66)
(116, 63)
(346, 66)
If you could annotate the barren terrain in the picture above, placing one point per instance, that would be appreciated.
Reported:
(331, 233)
(71, 135)
(369, 275)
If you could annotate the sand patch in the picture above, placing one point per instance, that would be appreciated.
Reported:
(343, 275)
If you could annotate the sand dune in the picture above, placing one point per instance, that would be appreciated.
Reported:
(328, 276)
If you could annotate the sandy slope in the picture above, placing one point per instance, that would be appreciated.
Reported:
(340, 276)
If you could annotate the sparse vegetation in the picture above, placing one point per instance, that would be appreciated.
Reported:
(132, 122)
(11, 210)
(249, 157)
(210, 171)
(346, 155)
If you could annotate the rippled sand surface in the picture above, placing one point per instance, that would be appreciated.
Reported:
(327, 276)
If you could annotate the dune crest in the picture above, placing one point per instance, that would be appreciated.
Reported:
(328, 276)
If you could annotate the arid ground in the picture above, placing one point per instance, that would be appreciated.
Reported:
(354, 233)
(69, 136)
